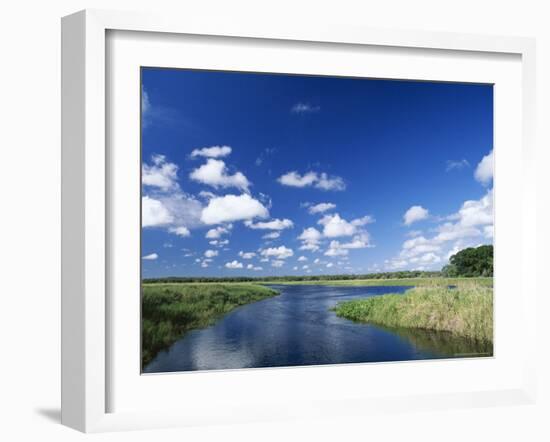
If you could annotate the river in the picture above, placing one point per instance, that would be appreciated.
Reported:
(298, 327)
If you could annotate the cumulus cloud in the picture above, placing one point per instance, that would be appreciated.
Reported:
(329, 265)
(234, 265)
(164, 204)
(484, 170)
(335, 226)
(150, 257)
(280, 252)
(232, 208)
(219, 242)
(304, 108)
(212, 152)
(210, 253)
(180, 231)
(271, 235)
(302, 258)
(320, 208)
(318, 180)
(310, 238)
(326, 182)
(161, 173)
(468, 227)
(247, 255)
(154, 213)
(214, 173)
(276, 224)
(337, 248)
(217, 232)
(414, 214)
(277, 263)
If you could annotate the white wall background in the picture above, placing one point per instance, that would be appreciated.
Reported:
(30, 215)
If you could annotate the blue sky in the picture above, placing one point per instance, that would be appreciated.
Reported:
(261, 174)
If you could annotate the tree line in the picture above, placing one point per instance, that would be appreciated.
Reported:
(470, 262)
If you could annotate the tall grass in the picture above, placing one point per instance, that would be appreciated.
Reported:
(168, 311)
(466, 310)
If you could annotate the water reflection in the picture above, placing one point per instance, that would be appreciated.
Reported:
(298, 327)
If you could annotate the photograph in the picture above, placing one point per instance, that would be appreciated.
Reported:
(303, 220)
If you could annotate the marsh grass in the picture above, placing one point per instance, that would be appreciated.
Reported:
(171, 310)
(466, 310)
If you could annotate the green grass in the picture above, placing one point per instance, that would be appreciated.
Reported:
(466, 311)
(413, 282)
(171, 310)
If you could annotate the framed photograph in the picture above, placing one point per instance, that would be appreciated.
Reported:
(277, 222)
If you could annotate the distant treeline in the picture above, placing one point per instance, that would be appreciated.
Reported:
(383, 275)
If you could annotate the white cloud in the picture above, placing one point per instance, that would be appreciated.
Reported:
(295, 268)
(320, 181)
(160, 174)
(180, 231)
(280, 252)
(321, 207)
(211, 253)
(294, 179)
(234, 265)
(214, 173)
(310, 238)
(150, 257)
(305, 267)
(211, 152)
(302, 258)
(217, 232)
(317, 261)
(272, 235)
(154, 213)
(277, 263)
(335, 249)
(330, 183)
(304, 108)
(367, 219)
(163, 203)
(276, 224)
(359, 241)
(257, 268)
(232, 208)
(329, 265)
(335, 226)
(414, 214)
(250, 266)
(484, 170)
(218, 242)
(468, 227)
(247, 255)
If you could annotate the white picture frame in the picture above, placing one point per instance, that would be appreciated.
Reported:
(86, 356)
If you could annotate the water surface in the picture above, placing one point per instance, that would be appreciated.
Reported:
(298, 327)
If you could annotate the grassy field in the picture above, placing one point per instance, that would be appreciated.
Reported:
(170, 310)
(465, 311)
(413, 282)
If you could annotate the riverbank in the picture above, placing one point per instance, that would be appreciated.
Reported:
(171, 310)
(466, 310)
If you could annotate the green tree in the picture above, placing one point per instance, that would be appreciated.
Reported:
(472, 261)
